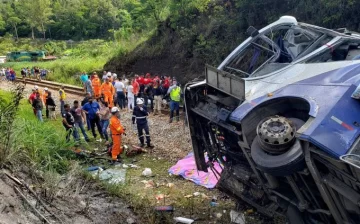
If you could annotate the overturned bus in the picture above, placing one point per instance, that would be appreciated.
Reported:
(278, 114)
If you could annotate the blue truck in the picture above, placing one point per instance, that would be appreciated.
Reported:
(278, 113)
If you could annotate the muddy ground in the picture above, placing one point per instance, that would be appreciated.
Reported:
(76, 201)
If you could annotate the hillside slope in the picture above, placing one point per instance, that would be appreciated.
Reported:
(183, 44)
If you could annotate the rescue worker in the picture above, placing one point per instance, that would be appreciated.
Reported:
(116, 131)
(44, 97)
(96, 84)
(175, 94)
(62, 99)
(140, 116)
(109, 91)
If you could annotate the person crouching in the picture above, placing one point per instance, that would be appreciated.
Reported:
(116, 131)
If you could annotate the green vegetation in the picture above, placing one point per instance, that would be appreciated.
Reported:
(74, 58)
(29, 142)
(82, 19)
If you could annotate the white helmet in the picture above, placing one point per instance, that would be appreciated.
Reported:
(114, 110)
(139, 101)
(46, 89)
(36, 87)
(114, 75)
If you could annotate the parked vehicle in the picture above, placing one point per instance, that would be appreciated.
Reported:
(278, 113)
(25, 56)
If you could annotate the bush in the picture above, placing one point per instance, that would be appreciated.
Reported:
(8, 111)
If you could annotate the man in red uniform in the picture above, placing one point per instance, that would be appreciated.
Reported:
(116, 131)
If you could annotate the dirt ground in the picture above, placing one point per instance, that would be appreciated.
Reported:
(79, 201)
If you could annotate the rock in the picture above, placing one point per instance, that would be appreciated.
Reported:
(147, 172)
(237, 217)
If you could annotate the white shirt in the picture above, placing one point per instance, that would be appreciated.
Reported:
(126, 82)
(119, 86)
(130, 91)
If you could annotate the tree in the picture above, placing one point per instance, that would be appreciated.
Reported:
(14, 21)
(28, 11)
(43, 15)
(2, 23)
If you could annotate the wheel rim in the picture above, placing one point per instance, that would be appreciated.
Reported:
(276, 134)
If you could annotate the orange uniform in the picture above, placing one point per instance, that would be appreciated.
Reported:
(96, 84)
(116, 130)
(44, 96)
(109, 91)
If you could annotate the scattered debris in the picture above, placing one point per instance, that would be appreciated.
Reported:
(183, 220)
(148, 183)
(218, 215)
(130, 220)
(237, 217)
(170, 185)
(112, 176)
(147, 172)
(196, 194)
(164, 208)
(159, 197)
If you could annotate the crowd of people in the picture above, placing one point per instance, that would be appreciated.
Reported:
(35, 72)
(7, 74)
(104, 100)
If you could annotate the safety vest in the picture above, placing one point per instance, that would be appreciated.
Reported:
(62, 94)
(44, 96)
(175, 94)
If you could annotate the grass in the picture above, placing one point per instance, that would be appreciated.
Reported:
(143, 200)
(40, 145)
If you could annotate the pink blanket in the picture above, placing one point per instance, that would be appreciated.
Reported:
(187, 168)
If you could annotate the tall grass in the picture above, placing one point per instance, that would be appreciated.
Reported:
(41, 146)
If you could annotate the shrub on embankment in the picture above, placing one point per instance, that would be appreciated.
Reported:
(27, 142)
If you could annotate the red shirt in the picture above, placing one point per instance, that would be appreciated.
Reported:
(147, 81)
(32, 97)
(136, 87)
(166, 83)
(140, 81)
